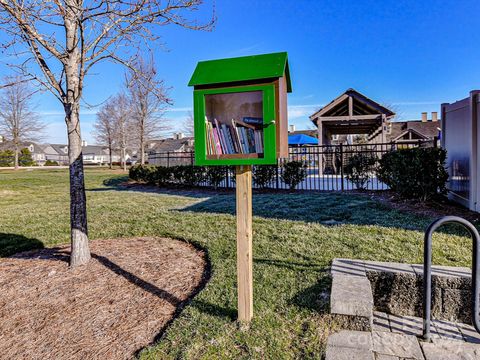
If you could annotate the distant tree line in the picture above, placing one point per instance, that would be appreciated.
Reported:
(135, 115)
(18, 120)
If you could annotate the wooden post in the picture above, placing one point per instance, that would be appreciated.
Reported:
(244, 242)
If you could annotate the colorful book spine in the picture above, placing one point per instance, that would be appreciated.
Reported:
(239, 143)
(234, 137)
(251, 140)
(217, 141)
(228, 142)
(220, 137)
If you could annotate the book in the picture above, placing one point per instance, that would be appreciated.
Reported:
(228, 138)
(220, 137)
(232, 137)
(242, 123)
(237, 136)
(242, 140)
(208, 135)
(218, 146)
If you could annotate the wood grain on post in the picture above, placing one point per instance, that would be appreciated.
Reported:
(244, 242)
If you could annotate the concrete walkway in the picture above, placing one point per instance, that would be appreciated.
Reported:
(386, 345)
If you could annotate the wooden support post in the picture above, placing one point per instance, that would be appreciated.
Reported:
(244, 242)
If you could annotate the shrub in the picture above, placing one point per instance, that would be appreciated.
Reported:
(162, 175)
(50, 163)
(193, 175)
(177, 173)
(188, 175)
(143, 173)
(417, 173)
(294, 172)
(216, 174)
(135, 172)
(264, 174)
(25, 158)
(149, 174)
(7, 158)
(358, 169)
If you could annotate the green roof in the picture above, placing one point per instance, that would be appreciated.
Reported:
(244, 68)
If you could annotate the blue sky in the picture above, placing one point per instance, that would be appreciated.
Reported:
(412, 55)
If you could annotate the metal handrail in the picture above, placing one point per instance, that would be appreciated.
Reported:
(427, 271)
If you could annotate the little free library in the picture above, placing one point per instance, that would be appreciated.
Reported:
(240, 118)
(240, 110)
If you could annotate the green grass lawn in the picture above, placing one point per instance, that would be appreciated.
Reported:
(293, 248)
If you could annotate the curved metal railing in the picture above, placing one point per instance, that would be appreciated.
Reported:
(427, 271)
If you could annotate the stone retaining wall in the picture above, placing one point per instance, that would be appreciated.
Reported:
(400, 293)
(359, 287)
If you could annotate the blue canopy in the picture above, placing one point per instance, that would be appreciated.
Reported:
(302, 139)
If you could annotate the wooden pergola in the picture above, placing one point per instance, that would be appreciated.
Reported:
(351, 113)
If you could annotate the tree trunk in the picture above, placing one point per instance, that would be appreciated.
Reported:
(110, 154)
(124, 157)
(142, 151)
(16, 156)
(78, 201)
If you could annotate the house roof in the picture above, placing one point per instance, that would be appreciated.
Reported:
(245, 68)
(94, 150)
(362, 105)
(8, 145)
(60, 148)
(428, 129)
(164, 145)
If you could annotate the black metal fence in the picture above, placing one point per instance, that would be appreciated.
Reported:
(325, 164)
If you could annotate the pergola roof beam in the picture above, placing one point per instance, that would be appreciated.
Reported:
(348, 118)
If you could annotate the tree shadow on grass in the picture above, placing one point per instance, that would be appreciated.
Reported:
(14, 243)
(120, 183)
(315, 297)
(329, 209)
(325, 208)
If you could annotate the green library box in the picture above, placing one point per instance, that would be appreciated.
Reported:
(240, 110)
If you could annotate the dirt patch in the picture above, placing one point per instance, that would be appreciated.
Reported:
(7, 192)
(117, 305)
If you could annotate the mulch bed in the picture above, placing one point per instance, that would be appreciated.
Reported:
(110, 309)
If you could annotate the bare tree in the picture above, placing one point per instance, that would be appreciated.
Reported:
(64, 40)
(18, 120)
(113, 126)
(148, 98)
(105, 128)
(123, 125)
(187, 126)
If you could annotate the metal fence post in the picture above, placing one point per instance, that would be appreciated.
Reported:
(168, 158)
(227, 174)
(276, 175)
(341, 166)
